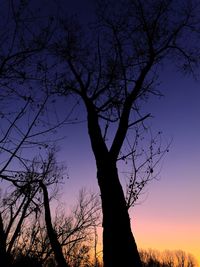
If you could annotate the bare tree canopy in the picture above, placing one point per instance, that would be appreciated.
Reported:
(111, 67)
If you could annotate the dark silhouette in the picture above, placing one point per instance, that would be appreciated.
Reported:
(45, 237)
(4, 257)
(51, 233)
(167, 258)
(26, 261)
(15, 208)
(113, 69)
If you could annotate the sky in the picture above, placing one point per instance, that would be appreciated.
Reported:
(168, 216)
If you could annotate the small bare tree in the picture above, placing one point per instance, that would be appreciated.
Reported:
(73, 231)
(167, 258)
(15, 207)
(66, 234)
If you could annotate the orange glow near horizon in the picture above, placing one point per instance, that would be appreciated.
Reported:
(166, 235)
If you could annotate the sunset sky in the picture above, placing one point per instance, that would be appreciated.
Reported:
(168, 216)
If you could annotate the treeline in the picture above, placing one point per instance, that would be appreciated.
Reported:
(167, 258)
(84, 258)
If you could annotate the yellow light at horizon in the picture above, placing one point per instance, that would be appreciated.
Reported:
(167, 235)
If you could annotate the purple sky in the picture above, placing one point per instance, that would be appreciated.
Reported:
(169, 215)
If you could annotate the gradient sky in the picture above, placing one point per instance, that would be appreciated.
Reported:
(169, 214)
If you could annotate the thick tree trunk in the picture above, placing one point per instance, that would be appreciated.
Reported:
(119, 247)
(56, 247)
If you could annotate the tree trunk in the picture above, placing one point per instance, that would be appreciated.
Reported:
(56, 247)
(119, 247)
(19, 226)
(4, 258)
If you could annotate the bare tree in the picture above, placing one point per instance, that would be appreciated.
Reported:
(45, 173)
(15, 208)
(26, 102)
(84, 220)
(23, 201)
(24, 121)
(142, 157)
(73, 231)
(3, 254)
(167, 258)
(67, 238)
(49, 171)
(51, 233)
(114, 69)
(66, 234)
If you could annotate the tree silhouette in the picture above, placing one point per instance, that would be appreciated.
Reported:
(62, 236)
(20, 204)
(15, 208)
(113, 67)
(51, 233)
(167, 258)
(141, 155)
(23, 40)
